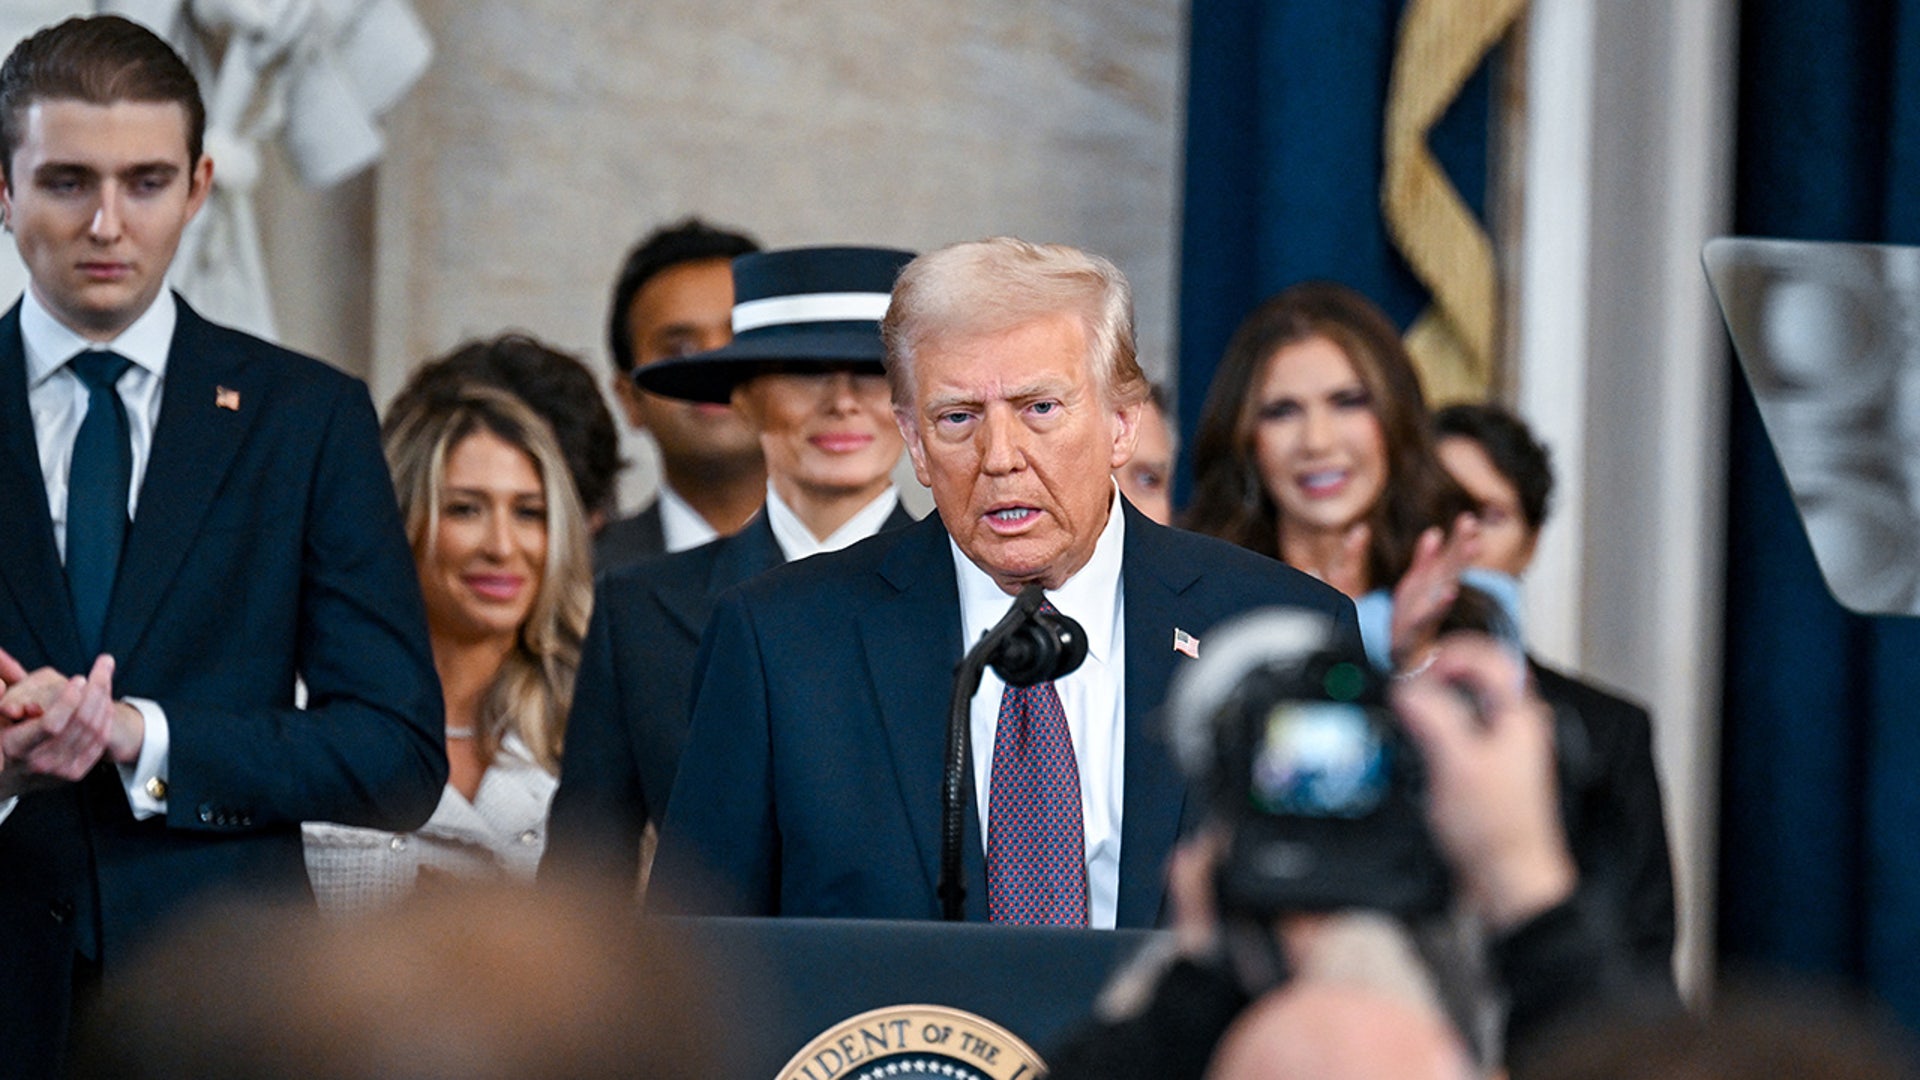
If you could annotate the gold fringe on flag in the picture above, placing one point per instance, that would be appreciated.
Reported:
(1442, 43)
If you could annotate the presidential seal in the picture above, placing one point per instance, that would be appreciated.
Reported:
(915, 1042)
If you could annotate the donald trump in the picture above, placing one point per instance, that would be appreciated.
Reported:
(811, 782)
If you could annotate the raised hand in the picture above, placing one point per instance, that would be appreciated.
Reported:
(1426, 592)
(1487, 740)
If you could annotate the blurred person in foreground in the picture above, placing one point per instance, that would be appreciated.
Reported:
(1146, 478)
(1774, 1030)
(811, 781)
(559, 388)
(500, 549)
(475, 983)
(195, 520)
(811, 387)
(1487, 743)
(673, 298)
(1615, 820)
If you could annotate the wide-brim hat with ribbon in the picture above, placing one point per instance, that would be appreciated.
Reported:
(798, 310)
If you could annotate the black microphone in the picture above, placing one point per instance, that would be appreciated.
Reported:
(1026, 647)
(1040, 646)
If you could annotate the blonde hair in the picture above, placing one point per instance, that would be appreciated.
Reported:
(984, 287)
(533, 689)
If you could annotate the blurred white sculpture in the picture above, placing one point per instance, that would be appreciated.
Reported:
(18, 18)
(316, 75)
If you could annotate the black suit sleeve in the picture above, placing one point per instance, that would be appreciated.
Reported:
(367, 749)
(720, 845)
(1627, 808)
(1615, 821)
(601, 808)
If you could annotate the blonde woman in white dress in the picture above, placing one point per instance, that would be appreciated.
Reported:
(500, 543)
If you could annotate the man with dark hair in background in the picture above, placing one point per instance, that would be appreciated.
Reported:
(674, 298)
(1146, 479)
(195, 519)
(1614, 819)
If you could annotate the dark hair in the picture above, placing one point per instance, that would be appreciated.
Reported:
(684, 241)
(1231, 500)
(1511, 447)
(555, 385)
(99, 60)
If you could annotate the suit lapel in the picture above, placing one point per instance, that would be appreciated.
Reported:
(688, 597)
(912, 641)
(747, 554)
(1155, 791)
(899, 519)
(193, 445)
(29, 560)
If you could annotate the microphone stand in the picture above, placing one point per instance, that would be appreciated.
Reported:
(1025, 648)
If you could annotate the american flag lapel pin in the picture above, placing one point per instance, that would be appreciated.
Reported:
(224, 398)
(1186, 644)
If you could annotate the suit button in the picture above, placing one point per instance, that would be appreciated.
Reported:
(61, 910)
(206, 814)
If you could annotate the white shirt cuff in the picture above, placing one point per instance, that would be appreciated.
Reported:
(6, 807)
(146, 779)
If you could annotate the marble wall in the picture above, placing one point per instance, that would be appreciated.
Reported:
(549, 134)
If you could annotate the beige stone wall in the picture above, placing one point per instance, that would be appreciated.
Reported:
(549, 134)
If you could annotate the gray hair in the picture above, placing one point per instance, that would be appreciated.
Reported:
(984, 287)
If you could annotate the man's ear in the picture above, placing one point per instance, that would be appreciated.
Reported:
(199, 185)
(1126, 433)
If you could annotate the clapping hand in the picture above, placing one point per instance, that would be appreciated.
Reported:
(53, 728)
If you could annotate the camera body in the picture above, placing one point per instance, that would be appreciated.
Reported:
(1322, 793)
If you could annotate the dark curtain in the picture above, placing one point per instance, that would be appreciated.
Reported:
(1820, 825)
(1285, 114)
(1820, 808)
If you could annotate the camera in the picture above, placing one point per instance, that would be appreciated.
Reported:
(1291, 745)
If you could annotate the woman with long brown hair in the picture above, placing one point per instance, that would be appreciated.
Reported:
(1315, 447)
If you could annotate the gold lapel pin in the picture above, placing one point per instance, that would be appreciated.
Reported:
(226, 399)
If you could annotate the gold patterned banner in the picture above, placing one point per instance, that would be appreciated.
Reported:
(1441, 44)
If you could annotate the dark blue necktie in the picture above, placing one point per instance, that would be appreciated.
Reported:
(97, 485)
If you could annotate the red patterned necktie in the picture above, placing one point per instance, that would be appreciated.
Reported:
(1036, 839)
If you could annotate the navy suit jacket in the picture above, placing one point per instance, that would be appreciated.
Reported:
(1613, 818)
(811, 780)
(267, 545)
(630, 540)
(628, 724)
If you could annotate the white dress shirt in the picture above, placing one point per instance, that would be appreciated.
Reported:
(58, 400)
(797, 541)
(681, 526)
(1094, 697)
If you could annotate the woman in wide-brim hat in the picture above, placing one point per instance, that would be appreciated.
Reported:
(805, 369)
